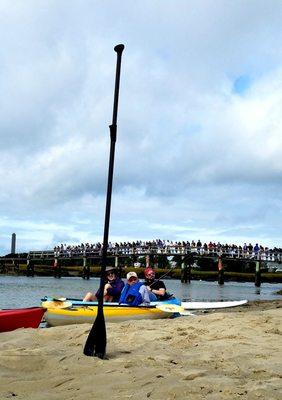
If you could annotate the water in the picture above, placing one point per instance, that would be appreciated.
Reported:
(22, 291)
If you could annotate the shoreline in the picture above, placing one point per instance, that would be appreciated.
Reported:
(226, 354)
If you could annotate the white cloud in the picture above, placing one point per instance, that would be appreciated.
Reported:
(194, 159)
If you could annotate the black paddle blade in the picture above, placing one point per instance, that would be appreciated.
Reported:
(97, 339)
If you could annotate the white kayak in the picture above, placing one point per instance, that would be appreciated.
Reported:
(187, 305)
(207, 305)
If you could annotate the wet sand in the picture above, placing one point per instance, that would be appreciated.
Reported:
(227, 354)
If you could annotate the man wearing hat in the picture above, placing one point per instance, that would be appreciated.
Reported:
(112, 290)
(156, 288)
(135, 292)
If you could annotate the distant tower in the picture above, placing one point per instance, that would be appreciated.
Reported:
(13, 244)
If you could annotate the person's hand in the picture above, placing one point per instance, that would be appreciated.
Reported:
(149, 288)
(107, 286)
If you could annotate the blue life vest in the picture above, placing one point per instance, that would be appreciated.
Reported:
(130, 294)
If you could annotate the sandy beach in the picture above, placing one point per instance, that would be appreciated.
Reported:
(228, 354)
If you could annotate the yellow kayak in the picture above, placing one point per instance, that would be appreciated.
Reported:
(66, 314)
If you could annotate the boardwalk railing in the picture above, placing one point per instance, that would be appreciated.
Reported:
(171, 250)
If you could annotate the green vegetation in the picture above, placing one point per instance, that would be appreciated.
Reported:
(202, 273)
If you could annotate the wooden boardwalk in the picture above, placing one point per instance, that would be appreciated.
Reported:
(168, 251)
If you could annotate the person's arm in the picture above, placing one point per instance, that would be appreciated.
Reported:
(157, 292)
(107, 289)
(160, 290)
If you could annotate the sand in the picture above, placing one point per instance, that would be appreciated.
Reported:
(234, 354)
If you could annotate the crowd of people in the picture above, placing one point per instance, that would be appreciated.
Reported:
(159, 246)
(134, 292)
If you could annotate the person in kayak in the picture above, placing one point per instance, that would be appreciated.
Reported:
(112, 290)
(156, 288)
(134, 292)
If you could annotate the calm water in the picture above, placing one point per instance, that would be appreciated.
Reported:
(26, 292)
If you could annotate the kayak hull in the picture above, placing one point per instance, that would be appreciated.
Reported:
(207, 305)
(87, 314)
(20, 318)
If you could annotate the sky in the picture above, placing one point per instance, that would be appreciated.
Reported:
(198, 152)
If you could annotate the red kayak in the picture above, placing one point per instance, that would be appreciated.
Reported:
(20, 318)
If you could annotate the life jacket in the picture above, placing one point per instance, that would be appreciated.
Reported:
(130, 294)
(116, 288)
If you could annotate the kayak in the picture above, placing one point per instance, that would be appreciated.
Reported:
(207, 305)
(66, 314)
(80, 302)
(12, 319)
(187, 305)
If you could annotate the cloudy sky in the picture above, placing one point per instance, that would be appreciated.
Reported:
(198, 154)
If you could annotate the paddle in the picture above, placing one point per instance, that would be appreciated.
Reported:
(173, 308)
(97, 339)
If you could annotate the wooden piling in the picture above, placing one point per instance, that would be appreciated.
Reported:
(29, 268)
(86, 269)
(220, 272)
(257, 274)
(57, 268)
(118, 266)
(184, 271)
(189, 273)
(190, 261)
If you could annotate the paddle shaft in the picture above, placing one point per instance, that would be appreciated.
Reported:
(113, 134)
(161, 277)
(96, 341)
